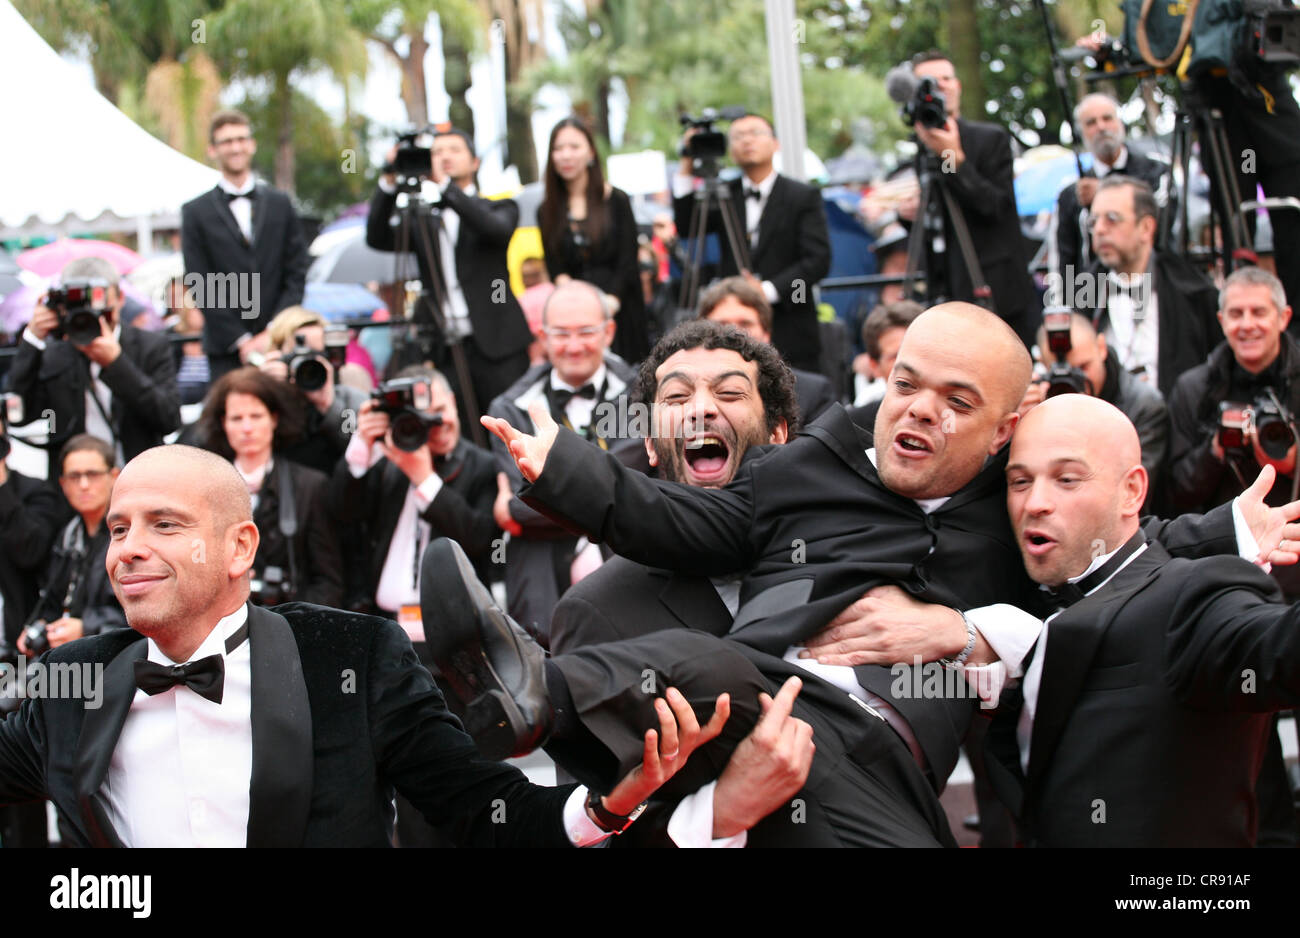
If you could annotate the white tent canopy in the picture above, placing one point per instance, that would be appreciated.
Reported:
(72, 163)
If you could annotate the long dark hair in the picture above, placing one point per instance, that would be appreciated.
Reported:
(553, 214)
(276, 395)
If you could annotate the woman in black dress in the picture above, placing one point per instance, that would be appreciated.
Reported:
(589, 233)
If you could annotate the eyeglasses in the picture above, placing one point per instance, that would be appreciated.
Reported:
(90, 475)
(227, 141)
(1110, 218)
(563, 335)
(756, 132)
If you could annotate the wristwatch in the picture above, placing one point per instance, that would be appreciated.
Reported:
(607, 820)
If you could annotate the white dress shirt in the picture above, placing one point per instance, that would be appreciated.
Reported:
(1133, 328)
(242, 207)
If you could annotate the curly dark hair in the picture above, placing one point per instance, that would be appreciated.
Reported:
(278, 397)
(775, 382)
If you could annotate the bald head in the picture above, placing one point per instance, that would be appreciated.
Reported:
(1075, 485)
(996, 351)
(204, 474)
(576, 296)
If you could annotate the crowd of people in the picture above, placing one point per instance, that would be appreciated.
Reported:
(706, 536)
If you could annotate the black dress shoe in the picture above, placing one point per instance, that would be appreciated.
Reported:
(491, 663)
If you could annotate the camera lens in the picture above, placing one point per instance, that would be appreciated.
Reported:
(309, 374)
(409, 431)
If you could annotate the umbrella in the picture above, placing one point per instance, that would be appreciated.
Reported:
(7, 264)
(1045, 172)
(153, 276)
(48, 259)
(340, 300)
(336, 233)
(354, 262)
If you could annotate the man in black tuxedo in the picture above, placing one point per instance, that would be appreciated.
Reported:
(1097, 117)
(976, 165)
(584, 387)
(737, 302)
(1142, 716)
(785, 225)
(245, 257)
(121, 386)
(294, 725)
(470, 238)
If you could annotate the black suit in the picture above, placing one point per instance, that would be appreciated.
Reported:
(1153, 708)
(1073, 246)
(983, 188)
(325, 763)
(1187, 305)
(814, 392)
(31, 514)
(793, 252)
(497, 350)
(317, 562)
(214, 246)
(146, 403)
(462, 511)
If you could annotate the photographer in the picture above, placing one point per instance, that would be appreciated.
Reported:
(976, 165)
(1255, 369)
(301, 357)
(251, 419)
(96, 374)
(77, 597)
(403, 498)
(785, 225)
(1078, 361)
(467, 239)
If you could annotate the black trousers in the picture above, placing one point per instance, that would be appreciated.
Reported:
(488, 378)
(864, 788)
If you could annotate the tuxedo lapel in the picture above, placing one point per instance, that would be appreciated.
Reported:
(773, 212)
(694, 602)
(260, 206)
(1072, 642)
(280, 792)
(846, 439)
(100, 731)
(221, 208)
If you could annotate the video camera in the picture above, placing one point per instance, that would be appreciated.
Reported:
(1062, 377)
(406, 401)
(79, 305)
(708, 144)
(413, 160)
(919, 99)
(1272, 423)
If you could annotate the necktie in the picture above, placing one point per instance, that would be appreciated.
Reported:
(755, 194)
(562, 396)
(1068, 594)
(206, 677)
(231, 196)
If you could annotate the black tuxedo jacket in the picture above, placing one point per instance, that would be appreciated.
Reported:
(814, 392)
(984, 189)
(793, 252)
(325, 762)
(146, 404)
(462, 511)
(1153, 709)
(812, 528)
(1187, 306)
(1071, 242)
(31, 515)
(213, 245)
(486, 226)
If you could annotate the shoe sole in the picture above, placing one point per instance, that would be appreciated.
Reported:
(448, 599)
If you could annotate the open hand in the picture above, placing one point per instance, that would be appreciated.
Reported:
(529, 451)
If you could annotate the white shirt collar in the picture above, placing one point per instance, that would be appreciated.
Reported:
(1121, 163)
(927, 505)
(227, 186)
(214, 644)
(597, 380)
(764, 187)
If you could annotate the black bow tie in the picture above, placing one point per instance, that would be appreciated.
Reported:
(562, 396)
(231, 196)
(1068, 594)
(206, 677)
(755, 194)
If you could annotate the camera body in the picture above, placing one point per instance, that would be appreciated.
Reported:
(1271, 423)
(927, 106)
(413, 160)
(36, 639)
(406, 401)
(305, 366)
(1062, 377)
(270, 589)
(79, 304)
(708, 144)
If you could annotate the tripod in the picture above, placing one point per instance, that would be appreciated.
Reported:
(938, 211)
(714, 191)
(419, 225)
